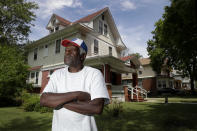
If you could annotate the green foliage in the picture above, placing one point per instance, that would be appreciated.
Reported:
(138, 55)
(156, 52)
(175, 38)
(14, 72)
(114, 109)
(15, 20)
(31, 102)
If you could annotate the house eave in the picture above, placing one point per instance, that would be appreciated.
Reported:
(72, 29)
(115, 63)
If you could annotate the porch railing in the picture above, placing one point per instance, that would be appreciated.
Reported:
(138, 92)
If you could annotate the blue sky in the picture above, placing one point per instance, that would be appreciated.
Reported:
(134, 18)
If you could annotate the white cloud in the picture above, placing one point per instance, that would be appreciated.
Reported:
(85, 12)
(39, 31)
(47, 7)
(127, 5)
(135, 38)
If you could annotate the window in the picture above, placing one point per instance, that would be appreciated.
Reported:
(159, 84)
(100, 27)
(37, 77)
(35, 53)
(140, 83)
(57, 28)
(57, 46)
(46, 50)
(32, 75)
(140, 72)
(164, 84)
(110, 51)
(103, 17)
(170, 84)
(95, 46)
(105, 29)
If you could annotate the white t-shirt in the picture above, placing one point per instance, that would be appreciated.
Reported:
(88, 80)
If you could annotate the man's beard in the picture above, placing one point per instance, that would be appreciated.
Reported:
(71, 61)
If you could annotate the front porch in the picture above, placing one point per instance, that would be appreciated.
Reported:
(112, 68)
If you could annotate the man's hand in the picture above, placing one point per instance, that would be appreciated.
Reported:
(83, 96)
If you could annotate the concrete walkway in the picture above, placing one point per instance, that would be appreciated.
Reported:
(170, 101)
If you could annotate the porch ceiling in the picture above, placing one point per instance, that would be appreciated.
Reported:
(116, 64)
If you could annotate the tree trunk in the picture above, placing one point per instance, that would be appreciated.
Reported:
(192, 83)
(192, 76)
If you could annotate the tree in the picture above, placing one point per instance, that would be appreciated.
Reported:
(13, 74)
(138, 55)
(15, 20)
(155, 51)
(175, 38)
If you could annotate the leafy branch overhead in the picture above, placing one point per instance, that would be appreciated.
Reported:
(16, 18)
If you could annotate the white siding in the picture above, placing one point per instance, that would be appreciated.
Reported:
(147, 71)
(90, 24)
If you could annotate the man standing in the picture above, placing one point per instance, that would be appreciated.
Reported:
(76, 92)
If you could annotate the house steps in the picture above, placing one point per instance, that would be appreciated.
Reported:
(137, 94)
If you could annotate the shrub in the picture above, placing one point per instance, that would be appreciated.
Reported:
(31, 102)
(115, 108)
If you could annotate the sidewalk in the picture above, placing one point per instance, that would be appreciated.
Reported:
(173, 100)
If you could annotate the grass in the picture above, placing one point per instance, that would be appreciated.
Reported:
(15, 119)
(145, 116)
(151, 117)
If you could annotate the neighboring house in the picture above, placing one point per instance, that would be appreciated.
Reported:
(150, 81)
(104, 43)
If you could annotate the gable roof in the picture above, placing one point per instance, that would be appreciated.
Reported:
(126, 58)
(91, 16)
(145, 61)
(62, 20)
(87, 18)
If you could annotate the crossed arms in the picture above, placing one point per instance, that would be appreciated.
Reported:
(77, 101)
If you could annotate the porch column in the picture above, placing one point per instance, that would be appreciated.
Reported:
(45, 79)
(106, 73)
(126, 94)
(135, 79)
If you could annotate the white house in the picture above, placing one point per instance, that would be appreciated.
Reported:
(104, 43)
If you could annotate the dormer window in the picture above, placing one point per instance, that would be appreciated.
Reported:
(103, 17)
(105, 29)
(100, 27)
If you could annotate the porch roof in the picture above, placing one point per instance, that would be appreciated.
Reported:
(35, 68)
(116, 64)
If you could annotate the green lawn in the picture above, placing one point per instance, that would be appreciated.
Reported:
(151, 117)
(145, 116)
(15, 119)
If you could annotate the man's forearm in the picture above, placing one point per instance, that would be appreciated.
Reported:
(57, 99)
(87, 107)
